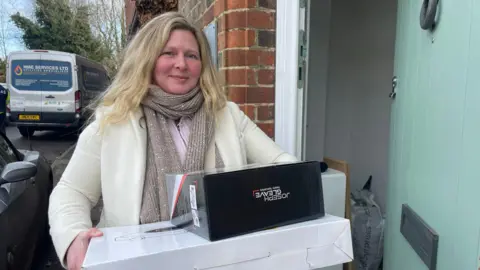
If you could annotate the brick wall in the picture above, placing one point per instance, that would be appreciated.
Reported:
(246, 51)
(195, 10)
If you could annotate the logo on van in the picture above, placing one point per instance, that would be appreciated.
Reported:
(18, 70)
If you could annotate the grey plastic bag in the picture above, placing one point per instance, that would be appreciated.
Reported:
(368, 224)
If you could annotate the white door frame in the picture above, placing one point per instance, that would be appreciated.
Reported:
(288, 98)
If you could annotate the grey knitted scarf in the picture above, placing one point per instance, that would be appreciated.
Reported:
(162, 155)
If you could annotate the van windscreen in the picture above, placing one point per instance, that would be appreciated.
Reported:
(41, 75)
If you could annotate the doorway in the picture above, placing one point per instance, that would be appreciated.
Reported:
(351, 47)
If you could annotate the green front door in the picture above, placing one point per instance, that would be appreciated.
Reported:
(434, 164)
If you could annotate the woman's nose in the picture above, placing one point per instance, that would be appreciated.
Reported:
(180, 61)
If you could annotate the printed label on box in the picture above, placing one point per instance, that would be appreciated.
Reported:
(193, 197)
(196, 221)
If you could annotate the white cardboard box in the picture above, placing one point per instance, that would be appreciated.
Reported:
(307, 245)
(334, 184)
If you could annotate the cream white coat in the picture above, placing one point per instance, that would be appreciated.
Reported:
(112, 164)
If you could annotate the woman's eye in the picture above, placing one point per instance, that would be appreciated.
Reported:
(193, 56)
(168, 53)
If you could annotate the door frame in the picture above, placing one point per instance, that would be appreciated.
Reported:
(289, 112)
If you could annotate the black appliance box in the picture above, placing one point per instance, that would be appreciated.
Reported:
(224, 203)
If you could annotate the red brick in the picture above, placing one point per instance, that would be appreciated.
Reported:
(260, 95)
(239, 76)
(249, 110)
(265, 113)
(266, 76)
(237, 94)
(219, 7)
(208, 16)
(235, 4)
(268, 128)
(247, 19)
(249, 57)
(236, 39)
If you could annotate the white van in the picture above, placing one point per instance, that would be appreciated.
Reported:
(50, 89)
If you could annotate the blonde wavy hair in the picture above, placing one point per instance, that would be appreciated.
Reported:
(135, 74)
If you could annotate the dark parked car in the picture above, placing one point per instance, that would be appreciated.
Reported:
(25, 185)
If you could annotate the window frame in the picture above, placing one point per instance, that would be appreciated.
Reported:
(17, 155)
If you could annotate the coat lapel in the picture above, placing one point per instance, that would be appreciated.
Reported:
(227, 141)
(138, 163)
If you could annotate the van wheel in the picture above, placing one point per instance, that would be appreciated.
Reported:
(26, 132)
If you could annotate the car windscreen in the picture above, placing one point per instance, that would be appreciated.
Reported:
(45, 75)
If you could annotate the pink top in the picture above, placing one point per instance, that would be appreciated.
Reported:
(180, 134)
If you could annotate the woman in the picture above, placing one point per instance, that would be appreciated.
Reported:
(164, 112)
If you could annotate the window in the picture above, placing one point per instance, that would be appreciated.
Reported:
(5, 188)
(8, 155)
(3, 163)
(6, 152)
(94, 79)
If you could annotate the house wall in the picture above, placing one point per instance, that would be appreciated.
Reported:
(246, 51)
(129, 11)
(319, 43)
(199, 12)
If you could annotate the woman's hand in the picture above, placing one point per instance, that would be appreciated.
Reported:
(78, 249)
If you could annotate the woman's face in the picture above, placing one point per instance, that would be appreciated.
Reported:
(179, 66)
